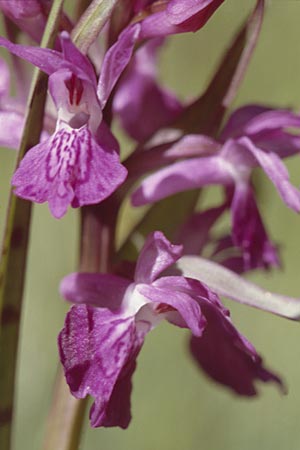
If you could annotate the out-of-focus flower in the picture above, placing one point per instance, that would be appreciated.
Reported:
(79, 164)
(11, 112)
(29, 15)
(247, 141)
(103, 335)
(141, 104)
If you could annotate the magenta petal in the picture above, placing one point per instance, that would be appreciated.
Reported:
(179, 11)
(4, 79)
(248, 231)
(115, 61)
(276, 171)
(97, 289)
(44, 58)
(179, 17)
(239, 119)
(70, 167)
(227, 356)
(100, 171)
(117, 411)
(174, 292)
(181, 176)
(95, 348)
(271, 120)
(157, 255)
(75, 57)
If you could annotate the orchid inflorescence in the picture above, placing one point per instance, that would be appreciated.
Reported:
(178, 147)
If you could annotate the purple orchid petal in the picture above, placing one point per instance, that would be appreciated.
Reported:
(75, 57)
(157, 255)
(271, 120)
(248, 231)
(280, 142)
(4, 79)
(50, 61)
(28, 15)
(226, 283)
(12, 129)
(117, 410)
(139, 88)
(181, 176)
(239, 118)
(22, 8)
(44, 58)
(179, 18)
(276, 171)
(96, 289)
(227, 356)
(174, 292)
(115, 61)
(96, 348)
(70, 167)
(179, 11)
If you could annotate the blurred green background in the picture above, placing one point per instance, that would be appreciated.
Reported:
(174, 406)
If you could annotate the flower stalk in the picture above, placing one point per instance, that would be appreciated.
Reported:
(15, 246)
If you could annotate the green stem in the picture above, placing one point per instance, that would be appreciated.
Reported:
(14, 249)
(66, 417)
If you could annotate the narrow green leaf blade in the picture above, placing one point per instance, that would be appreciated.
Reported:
(206, 113)
(91, 23)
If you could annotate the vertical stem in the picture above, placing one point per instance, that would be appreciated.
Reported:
(65, 420)
(14, 249)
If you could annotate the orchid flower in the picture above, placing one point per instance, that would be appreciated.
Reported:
(246, 142)
(79, 164)
(104, 331)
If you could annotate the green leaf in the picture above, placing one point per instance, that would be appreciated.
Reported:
(91, 23)
(206, 113)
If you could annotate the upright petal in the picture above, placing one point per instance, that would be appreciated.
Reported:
(74, 56)
(227, 356)
(98, 351)
(157, 255)
(115, 61)
(248, 231)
